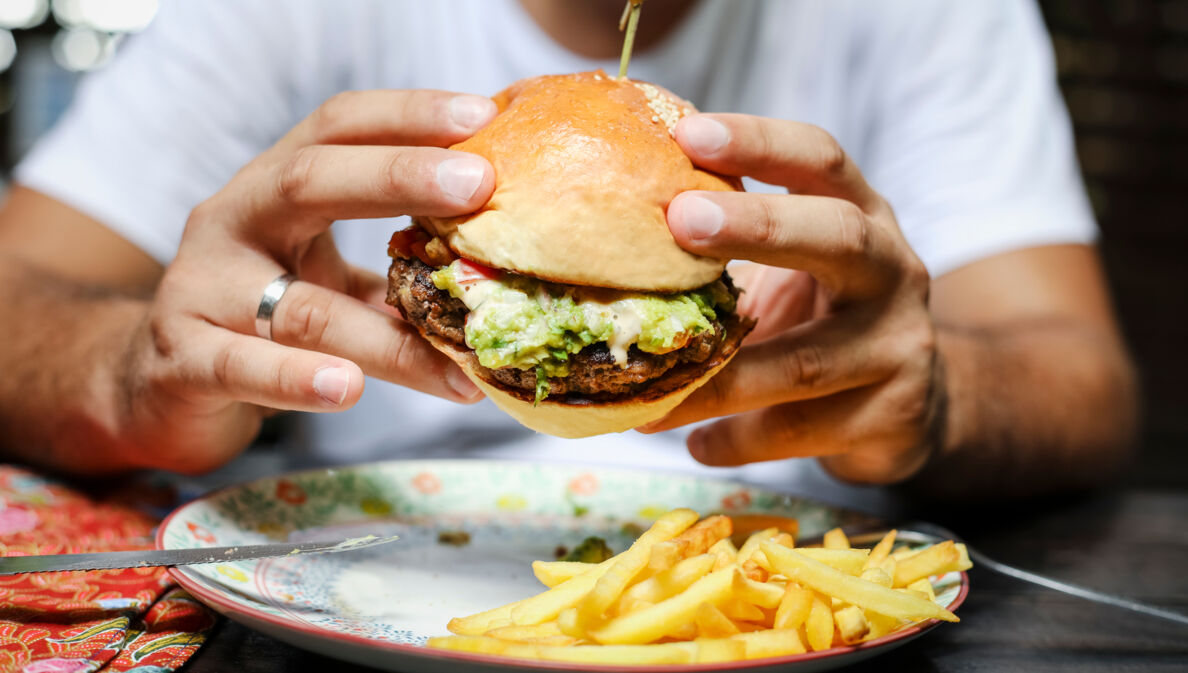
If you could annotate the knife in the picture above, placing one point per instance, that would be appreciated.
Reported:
(11, 565)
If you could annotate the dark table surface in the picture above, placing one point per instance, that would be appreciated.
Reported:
(1130, 540)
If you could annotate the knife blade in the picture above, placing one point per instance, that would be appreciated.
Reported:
(12, 565)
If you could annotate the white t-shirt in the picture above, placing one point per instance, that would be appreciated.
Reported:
(950, 109)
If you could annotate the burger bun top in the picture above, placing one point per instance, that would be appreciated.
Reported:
(585, 166)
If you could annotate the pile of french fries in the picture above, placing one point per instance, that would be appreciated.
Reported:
(683, 593)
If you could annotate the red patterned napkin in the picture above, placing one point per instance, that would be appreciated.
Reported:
(77, 622)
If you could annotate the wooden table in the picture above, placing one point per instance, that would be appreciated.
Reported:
(1132, 541)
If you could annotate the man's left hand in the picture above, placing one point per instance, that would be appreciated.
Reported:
(843, 364)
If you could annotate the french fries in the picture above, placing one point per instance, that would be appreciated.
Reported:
(543, 607)
(627, 565)
(711, 623)
(665, 554)
(771, 643)
(742, 611)
(669, 582)
(852, 624)
(854, 590)
(848, 561)
(527, 633)
(836, 539)
(653, 623)
(760, 594)
(818, 627)
(881, 625)
(552, 573)
(880, 577)
(705, 533)
(482, 622)
(714, 650)
(881, 550)
(683, 593)
(925, 563)
(725, 554)
(794, 607)
(923, 586)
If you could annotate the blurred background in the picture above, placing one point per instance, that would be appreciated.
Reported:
(1123, 66)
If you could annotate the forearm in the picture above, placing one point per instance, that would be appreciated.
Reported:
(1030, 408)
(63, 351)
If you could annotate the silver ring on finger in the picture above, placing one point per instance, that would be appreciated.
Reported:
(272, 296)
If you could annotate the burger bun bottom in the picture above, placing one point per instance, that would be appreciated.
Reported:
(575, 419)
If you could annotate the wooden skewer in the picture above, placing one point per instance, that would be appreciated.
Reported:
(630, 21)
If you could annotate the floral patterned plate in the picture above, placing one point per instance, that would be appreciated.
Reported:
(468, 533)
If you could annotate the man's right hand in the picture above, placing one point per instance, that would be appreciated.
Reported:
(198, 380)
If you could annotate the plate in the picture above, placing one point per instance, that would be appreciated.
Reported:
(378, 606)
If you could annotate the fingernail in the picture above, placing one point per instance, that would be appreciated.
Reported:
(461, 384)
(460, 178)
(331, 384)
(471, 112)
(700, 218)
(704, 135)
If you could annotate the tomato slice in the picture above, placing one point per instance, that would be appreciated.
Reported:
(472, 272)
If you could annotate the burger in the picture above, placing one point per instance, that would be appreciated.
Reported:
(565, 298)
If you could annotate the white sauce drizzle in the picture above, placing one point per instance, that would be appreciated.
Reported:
(628, 325)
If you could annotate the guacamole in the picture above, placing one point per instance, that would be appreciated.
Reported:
(521, 322)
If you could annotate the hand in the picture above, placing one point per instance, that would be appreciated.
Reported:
(199, 379)
(842, 365)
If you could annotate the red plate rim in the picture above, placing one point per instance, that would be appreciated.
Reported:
(200, 591)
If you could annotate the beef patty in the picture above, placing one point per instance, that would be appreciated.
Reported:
(592, 371)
